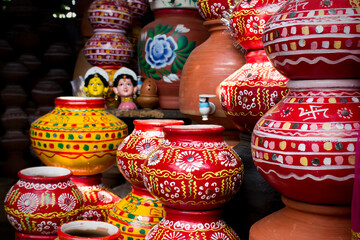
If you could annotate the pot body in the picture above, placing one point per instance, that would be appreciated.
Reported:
(98, 200)
(79, 230)
(136, 147)
(180, 224)
(193, 168)
(305, 145)
(251, 91)
(319, 36)
(41, 200)
(176, 32)
(205, 69)
(214, 9)
(79, 135)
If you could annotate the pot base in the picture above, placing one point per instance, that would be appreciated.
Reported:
(300, 220)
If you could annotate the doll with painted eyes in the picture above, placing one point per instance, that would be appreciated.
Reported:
(125, 87)
(96, 82)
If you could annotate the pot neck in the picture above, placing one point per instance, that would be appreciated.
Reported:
(215, 25)
(90, 180)
(255, 56)
(175, 12)
(80, 102)
(206, 216)
(324, 84)
(194, 132)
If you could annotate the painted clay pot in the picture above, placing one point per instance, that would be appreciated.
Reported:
(193, 168)
(98, 200)
(177, 32)
(183, 4)
(251, 91)
(148, 98)
(79, 135)
(305, 145)
(136, 147)
(248, 19)
(81, 230)
(42, 199)
(205, 69)
(319, 36)
(108, 47)
(136, 213)
(214, 9)
(180, 224)
(110, 14)
(147, 211)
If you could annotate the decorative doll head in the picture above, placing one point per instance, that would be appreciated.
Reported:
(96, 82)
(125, 82)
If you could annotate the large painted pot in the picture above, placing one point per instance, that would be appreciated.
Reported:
(193, 168)
(164, 46)
(319, 36)
(79, 135)
(136, 147)
(81, 230)
(98, 200)
(179, 224)
(41, 200)
(305, 145)
(251, 91)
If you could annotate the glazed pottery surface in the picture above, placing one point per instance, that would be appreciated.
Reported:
(320, 36)
(252, 90)
(136, 214)
(148, 98)
(81, 230)
(176, 32)
(98, 200)
(214, 9)
(305, 145)
(179, 224)
(79, 135)
(41, 200)
(205, 69)
(299, 221)
(193, 168)
(136, 147)
(248, 19)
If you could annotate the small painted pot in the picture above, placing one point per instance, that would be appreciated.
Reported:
(136, 147)
(252, 90)
(179, 224)
(79, 135)
(98, 200)
(42, 199)
(214, 9)
(322, 37)
(81, 230)
(305, 145)
(193, 168)
(110, 14)
(248, 19)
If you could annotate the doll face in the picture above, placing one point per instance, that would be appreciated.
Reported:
(96, 87)
(125, 88)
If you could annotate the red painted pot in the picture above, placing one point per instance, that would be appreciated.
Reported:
(81, 230)
(193, 168)
(251, 91)
(41, 200)
(319, 36)
(182, 225)
(305, 145)
(214, 9)
(136, 147)
(98, 200)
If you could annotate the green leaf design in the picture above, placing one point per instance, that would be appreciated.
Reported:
(182, 42)
(178, 64)
(162, 29)
(187, 50)
(156, 76)
(174, 68)
(151, 33)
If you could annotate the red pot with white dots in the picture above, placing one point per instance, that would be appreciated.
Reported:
(193, 168)
(305, 145)
(315, 39)
(41, 200)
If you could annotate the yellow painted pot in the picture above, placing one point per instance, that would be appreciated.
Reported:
(79, 135)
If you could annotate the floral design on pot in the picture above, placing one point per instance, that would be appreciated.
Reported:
(41, 200)
(165, 50)
(214, 9)
(193, 168)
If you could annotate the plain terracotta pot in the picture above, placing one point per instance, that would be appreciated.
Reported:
(206, 67)
(303, 221)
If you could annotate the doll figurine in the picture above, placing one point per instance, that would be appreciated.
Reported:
(125, 86)
(96, 82)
